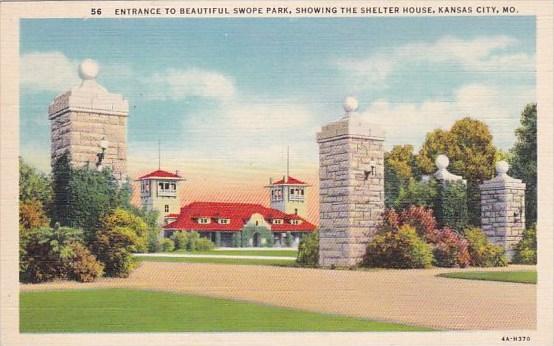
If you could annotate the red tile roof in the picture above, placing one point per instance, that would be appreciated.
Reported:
(160, 174)
(238, 215)
(289, 181)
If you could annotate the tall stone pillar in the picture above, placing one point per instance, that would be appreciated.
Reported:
(352, 190)
(503, 208)
(86, 118)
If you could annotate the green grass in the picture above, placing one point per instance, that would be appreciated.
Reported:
(524, 277)
(270, 262)
(273, 253)
(125, 310)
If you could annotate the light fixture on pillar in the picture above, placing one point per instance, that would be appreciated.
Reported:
(103, 146)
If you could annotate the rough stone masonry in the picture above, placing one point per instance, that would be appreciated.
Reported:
(503, 209)
(352, 190)
(83, 116)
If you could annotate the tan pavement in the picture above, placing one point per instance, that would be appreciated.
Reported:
(415, 297)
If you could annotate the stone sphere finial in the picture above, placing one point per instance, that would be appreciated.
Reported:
(350, 104)
(502, 167)
(442, 161)
(88, 69)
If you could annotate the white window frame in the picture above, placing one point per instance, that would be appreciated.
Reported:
(203, 220)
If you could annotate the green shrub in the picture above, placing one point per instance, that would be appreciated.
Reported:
(482, 252)
(398, 249)
(204, 244)
(153, 241)
(167, 245)
(308, 250)
(526, 248)
(45, 252)
(121, 233)
(192, 240)
(180, 239)
(82, 265)
(450, 249)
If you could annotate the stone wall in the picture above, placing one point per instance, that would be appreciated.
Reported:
(351, 201)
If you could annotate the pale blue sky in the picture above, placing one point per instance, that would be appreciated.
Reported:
(238, 91)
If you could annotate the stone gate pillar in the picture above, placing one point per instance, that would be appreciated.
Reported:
(503, 208)
(84, 117)
(352, 190)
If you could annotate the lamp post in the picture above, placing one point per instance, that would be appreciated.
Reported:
(103, 146)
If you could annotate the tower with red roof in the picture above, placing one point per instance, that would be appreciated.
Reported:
(289, 195)
(159, 190)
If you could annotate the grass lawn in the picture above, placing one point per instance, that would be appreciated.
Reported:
(125, 310)
(524, 277)
(269, 262)
(272, 253)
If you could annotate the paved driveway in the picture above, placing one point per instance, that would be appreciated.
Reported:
(408, 296)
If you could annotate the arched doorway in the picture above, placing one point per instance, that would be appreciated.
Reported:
(256, 239)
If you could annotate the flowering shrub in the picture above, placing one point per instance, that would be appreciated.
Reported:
(482, 252)
(82, 265)
(420, 218)
(398, 249)
(450, 250)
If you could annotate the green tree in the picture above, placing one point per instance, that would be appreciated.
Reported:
(120, 234)
(400, 169)
(524, 160)
(308, 250)
(33, 185)
(468, 145)
(82, 196)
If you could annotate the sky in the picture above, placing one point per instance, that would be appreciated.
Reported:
(225, 97)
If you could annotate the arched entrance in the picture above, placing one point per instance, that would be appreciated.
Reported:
(256, 239)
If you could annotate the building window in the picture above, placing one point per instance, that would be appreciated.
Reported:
(203, 220)
(276, 194)
(166, 208)
(277, 221)
(167, 189)
(296, 194)
(295, 222)
(224, 221)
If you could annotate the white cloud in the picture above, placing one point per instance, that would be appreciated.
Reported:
(482, 54)
(498, 107)
(178, 84)
(48, 71)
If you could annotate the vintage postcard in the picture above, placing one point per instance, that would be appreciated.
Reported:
(277, 173)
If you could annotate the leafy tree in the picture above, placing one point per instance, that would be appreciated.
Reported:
(524, 161)
(400, 169)
(468, 145)
(120, 234)
(418, 193)
(82, 196)
(33, 185)
(31, 215)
